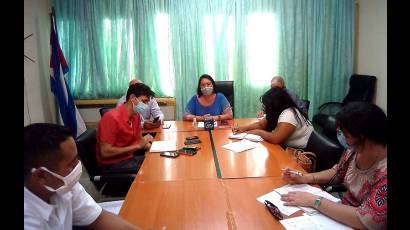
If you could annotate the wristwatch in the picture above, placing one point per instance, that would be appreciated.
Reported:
(317, 202)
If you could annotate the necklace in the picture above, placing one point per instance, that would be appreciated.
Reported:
(371, 165)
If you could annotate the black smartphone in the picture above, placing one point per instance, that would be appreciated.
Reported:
(191, 138)
(169, 154)
(189, 152)
(191, 142)
(155, 119)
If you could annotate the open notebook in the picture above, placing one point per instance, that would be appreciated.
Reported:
(247, 136)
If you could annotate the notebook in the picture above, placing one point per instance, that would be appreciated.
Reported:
(247, 136)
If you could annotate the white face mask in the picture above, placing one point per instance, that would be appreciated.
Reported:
(207, 90)
(69, 181)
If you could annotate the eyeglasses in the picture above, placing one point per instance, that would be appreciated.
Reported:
(273, 210)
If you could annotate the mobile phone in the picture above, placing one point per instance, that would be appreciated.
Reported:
(191, 138)
(190, 148)
(155, 119)
(169, 154)
(189, 152)
(191, 142)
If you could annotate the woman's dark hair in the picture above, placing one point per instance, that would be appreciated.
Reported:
(138, 90)
(198, 89)
(363, 121)
(275, 101)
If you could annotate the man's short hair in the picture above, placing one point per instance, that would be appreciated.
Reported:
(138, 90)
(42, 144)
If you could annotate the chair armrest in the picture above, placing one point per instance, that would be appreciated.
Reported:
(330, 108)
(327, 104)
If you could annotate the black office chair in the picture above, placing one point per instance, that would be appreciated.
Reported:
(226, 87)
(328, 153)
(362, 88)
(103, 110)
(304, 106)
(113, 184)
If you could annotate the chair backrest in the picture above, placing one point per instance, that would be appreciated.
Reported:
(86, 144)
(103, 110)
(362, 88)
(226, 87)
(328, 153)
(304, 105)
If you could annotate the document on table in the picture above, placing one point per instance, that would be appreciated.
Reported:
(202, 125)
(306, 188)
(163, 146)
(275, 195)
(241, 146)
(251, 137)
(315, 222)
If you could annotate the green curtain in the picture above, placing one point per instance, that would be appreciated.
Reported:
(168, 44)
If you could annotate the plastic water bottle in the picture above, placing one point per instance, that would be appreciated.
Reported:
(194, 123)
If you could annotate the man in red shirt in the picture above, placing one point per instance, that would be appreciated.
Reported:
(120, 145)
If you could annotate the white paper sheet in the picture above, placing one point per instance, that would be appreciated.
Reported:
(247, 136)
(274, 197)
(315, 222)
(253, 137)
(238, 136)
(241, 146)
(306, 188)
(163, 146)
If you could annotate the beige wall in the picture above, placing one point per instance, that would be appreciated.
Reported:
(38, 100)
(371, 52)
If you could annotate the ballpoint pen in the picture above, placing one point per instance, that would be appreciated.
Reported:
(234, 127)
(296, 173)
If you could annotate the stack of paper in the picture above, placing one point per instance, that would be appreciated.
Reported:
(306, 188)
(163, 146)
(251, 137)
(241, 146)
(315, 222)
(275, 196)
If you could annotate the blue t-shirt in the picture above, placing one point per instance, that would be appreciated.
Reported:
(217, 108)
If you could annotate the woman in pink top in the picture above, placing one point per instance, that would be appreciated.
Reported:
(362, 169)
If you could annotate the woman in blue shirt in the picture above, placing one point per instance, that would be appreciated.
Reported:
(207, 104)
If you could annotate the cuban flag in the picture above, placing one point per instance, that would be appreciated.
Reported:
(68, 111)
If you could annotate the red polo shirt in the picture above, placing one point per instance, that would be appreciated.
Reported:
(114, 128)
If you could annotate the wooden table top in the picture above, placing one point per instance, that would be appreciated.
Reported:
(247, 212)
(199, 166)
(186, 193)
(267, 160)
(188, 204)
(186, 126)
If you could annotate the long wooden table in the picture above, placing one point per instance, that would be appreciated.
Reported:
(187, 126)
(187, 193)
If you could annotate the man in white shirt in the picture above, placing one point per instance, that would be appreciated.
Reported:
(152, 111)
(53, 197)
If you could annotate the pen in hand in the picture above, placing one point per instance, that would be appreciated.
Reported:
(295, 173)
(234, 129)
